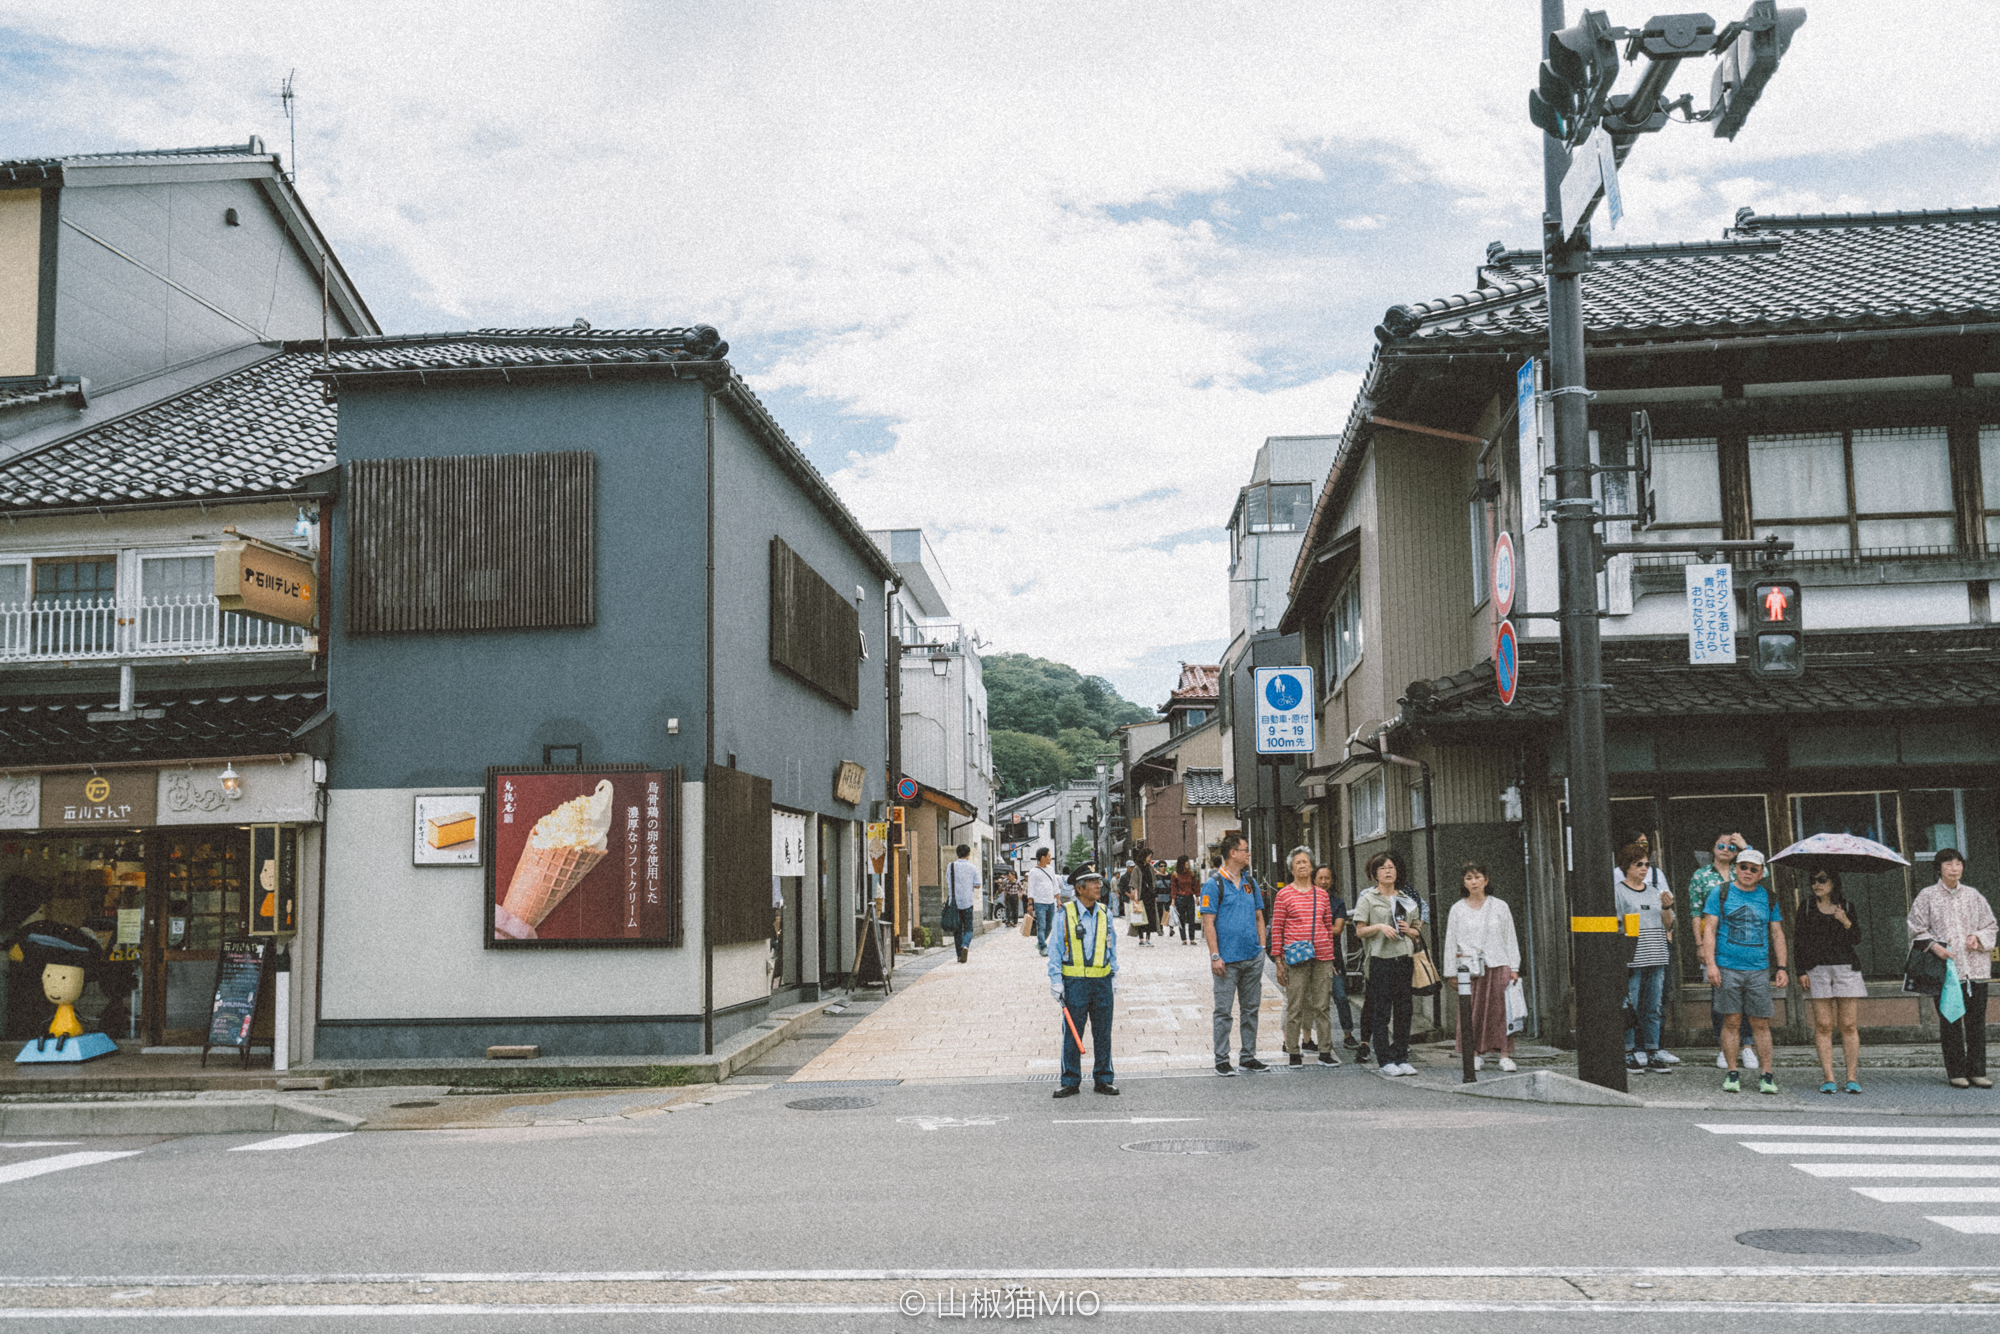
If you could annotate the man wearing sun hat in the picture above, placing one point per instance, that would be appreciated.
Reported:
(1738, 953)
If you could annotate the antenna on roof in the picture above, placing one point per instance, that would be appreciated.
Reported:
(289, 100)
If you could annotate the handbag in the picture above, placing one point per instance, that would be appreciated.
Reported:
(1028, 924)
(1424, 977)
(1298, 952)
(1923, 972)
(948, 918)
(1517, 1007)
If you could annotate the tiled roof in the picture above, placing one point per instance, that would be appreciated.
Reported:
(41, 389)
(1198, 681)
(1206, 788)
(1853, 673)
(202, 726)
(506, 348)
(254, 432)
(1857, 270)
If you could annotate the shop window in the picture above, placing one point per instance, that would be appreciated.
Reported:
(1369, 811)
(813, 629)
(1934, 818)
(1692, 825)
(1881, 900)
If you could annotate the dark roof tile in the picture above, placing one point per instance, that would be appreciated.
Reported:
(194, 727)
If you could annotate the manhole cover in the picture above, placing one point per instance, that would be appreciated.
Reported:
(1825, 1241)
(830, 1104)
(413, 1104)
(1195, 1146)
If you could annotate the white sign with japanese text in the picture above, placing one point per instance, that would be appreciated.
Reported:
(1285, 710)
(788, 843)
(1711, 615)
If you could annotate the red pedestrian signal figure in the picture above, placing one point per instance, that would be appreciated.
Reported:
(1780, 644)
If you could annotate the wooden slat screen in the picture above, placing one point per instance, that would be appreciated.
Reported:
(736, 855)
(815, 632)
(474, 542)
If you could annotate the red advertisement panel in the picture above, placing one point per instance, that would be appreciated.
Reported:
(578, 858)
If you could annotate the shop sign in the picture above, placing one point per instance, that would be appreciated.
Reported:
(447, 830)
(788, 843)
(847, 783)
(83, 800)
(259, 581)
(878, 845)
(20, 801)
(578, 857)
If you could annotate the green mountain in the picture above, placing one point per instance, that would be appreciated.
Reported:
(1049, 722)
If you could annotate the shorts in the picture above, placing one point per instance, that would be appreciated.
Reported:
(1745, 993)
(1835, 981)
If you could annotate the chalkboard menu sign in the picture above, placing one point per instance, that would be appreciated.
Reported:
(239, 979)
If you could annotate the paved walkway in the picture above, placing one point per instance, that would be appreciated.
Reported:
(994, 1018)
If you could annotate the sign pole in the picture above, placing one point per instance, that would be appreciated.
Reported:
(1598, 969)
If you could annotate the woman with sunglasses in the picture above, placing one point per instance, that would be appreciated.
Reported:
(1830, 971)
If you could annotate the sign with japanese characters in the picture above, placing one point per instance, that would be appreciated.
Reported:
(115, 797)
(1284, 710)
(578, 857)
(259, 581)
(1711, 615)
(788, 843)
(447, 830)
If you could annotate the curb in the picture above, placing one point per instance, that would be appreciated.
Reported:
(182, 1117)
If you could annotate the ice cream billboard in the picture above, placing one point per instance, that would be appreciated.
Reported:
(579, 857)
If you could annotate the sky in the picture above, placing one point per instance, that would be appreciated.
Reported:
(1037, 278)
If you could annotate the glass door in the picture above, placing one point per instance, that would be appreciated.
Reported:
(1693, 826)
(203, 897)
(1882, 900)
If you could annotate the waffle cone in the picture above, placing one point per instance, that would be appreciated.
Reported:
(544, 877)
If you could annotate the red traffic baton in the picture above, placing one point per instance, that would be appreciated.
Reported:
(1072, 1027)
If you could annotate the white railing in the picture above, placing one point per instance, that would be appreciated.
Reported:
(149, 627)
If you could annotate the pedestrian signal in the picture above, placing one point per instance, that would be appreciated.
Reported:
(895, 826)
(1777, 622)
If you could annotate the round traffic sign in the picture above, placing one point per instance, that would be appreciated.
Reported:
(1506, 662)
(1503, 574)
(907, 789)
(1284, 692)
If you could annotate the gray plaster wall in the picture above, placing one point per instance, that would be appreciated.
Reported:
(115, 321)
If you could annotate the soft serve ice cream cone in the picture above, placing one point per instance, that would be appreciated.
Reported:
(562, 849)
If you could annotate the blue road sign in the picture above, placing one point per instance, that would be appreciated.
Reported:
(1506, 662)
(1285, 716)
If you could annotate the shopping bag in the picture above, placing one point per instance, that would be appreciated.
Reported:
(1517, 1007)
(1951, 1005)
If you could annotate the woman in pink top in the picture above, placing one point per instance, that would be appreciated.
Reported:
(1957, 922)
(1302, 925)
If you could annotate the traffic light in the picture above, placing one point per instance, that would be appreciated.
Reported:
(1748, 63)
(895, 826)
(1777, 619)
(1575, 79)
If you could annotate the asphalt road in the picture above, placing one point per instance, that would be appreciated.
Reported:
(1351, 1180)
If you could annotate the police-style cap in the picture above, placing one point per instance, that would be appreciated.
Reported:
(1082, 876)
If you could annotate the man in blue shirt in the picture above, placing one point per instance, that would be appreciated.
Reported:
(1083, 971)
(1738, 952)
(1232, 922)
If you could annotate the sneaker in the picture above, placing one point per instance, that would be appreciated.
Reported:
(1961, 1083)
(1829, 1087)
(1981, 1082)
(1479, 1062)
(1406, 1069)
(1635, 1062)
(1390, 1071)
(1664, 1058)
(1308, 1045)
(1361, 1053)
(1251, 1063)
(1224, 1068)
(1350, 1042)
(1296, 1058)
(1328, 1058)
(1721, 1061)
(1767, 1083)
(1853, 1087)
(1749, 1058)
(1732, 1082)
(1507, 1064)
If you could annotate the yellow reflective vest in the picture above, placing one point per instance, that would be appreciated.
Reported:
(1073, 932)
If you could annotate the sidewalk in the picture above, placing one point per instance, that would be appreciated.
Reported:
(993, 1018)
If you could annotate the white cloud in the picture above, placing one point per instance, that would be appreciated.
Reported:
(925, 214)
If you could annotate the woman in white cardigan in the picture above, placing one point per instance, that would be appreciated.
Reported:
(1480, 933)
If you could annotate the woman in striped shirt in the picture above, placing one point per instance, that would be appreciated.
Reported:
(1302, 916)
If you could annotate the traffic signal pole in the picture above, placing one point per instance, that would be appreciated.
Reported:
(1597, 963)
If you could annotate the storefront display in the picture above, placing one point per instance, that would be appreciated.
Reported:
(63, 959)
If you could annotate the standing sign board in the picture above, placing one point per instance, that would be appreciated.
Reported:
(1711, 615)
(1503, 575)
(1506, 662)
(1285, 713)
(239, 981)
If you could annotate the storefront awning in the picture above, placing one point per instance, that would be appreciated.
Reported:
(167, 727)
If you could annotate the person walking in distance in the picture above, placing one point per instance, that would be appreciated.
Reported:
(1745, 941)
(1389, 930)
(1305, 946)
(1183, 887)
(1083, 973)
(1957, 921)
(1639, 893)
(1012, 887)
(962, 885)
(1232, 923)
(1479, 934)
(1701, 886)
(1826, 936)
(1045, 890)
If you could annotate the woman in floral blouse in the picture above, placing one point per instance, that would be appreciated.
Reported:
(1957, 921)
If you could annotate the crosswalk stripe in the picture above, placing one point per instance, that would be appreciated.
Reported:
(38, 1143)
(293, 1141)
(1858, 1132)
(1871, 1150)
(1955, 1171)
(35, 1167)
(1930, 1194)
(1979, 1225)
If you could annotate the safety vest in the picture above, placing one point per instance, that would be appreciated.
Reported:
(1073, 928)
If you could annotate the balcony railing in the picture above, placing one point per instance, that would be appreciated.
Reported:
(149, 627)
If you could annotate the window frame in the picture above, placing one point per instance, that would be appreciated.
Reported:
(1330, 630)
(1377, 786)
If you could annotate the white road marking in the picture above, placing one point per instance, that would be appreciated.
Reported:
(948, 1122)
(1983, 1225)
(1858, 1132)
(35, 1167)
(293, 1141)
(1870, 1150)
(1957, 1171)
(1930, 1194)
(38, 1143)
(1123, 1120)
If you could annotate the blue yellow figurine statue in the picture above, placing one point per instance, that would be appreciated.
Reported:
(67, 955)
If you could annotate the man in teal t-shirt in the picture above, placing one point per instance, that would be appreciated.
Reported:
(1738, 952)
